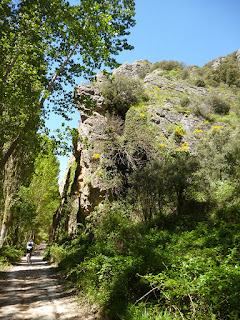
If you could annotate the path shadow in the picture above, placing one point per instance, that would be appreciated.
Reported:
(30, 283)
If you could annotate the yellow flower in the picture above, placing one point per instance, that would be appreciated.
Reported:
(96, 156)
(142, 115)
(196, 131)
(217, 128)
(179, 131)
(100, 173)
(162, 146)
(184, 147)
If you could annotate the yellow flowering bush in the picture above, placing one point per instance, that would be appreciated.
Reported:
(184, 147)
(179, 132)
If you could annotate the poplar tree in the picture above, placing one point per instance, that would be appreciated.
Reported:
(45, 46)
(48, 44)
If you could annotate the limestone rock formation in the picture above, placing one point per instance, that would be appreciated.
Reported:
(83, 186)
(137, 69)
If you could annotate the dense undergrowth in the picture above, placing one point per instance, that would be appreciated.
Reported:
(170, 268)
(9, 255)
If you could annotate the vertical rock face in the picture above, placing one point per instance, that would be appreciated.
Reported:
(82, 187)
(89, 181)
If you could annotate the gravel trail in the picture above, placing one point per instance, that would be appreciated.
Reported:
(32, 292)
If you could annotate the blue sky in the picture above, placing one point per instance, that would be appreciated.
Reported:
(190, 31)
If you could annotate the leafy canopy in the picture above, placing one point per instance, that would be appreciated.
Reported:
(48, 45)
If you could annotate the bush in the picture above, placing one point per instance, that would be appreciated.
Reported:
(121, 92)
(199, 83)
(10, 255)
(218, 104)
(168, 65)
(184, 101)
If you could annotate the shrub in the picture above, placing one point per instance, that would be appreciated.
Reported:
(10, 255)
(218, 104)
(168, 65)
(199, 83)
(227, 71)
(178, 133)
(184, 101)
(121, 92)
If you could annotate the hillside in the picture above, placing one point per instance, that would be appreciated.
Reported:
(149, 215)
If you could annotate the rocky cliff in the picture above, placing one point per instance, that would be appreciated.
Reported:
(176, 101)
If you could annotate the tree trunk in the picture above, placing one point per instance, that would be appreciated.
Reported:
(6, 220)
(10, 187)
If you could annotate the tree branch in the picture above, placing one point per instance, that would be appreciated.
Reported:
(16, 141)
(51, 83)
(146, 294)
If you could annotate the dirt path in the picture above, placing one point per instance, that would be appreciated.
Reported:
(31, 292)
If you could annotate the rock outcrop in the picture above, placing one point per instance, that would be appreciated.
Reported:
(83, 186)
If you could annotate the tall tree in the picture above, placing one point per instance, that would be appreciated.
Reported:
(18, 172)
(47, 44)
(44, 192)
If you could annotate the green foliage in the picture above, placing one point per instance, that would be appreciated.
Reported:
(168, 65)
(219, 167)
(51, 38)
(9, 255)
(121, 92)
(44, 186)
(219, 104)
(199, 82)
(141, 271)
(184, 101)
(23, 212)
(227, 71)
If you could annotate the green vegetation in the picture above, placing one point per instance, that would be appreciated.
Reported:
(121, 92)
(164, 241)
(175, 265)
(9, 255)
(218, 104)
(45, 47)
(165, 244)
(169, 247)
(227, 71)
(168, 65)
(29, 208)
